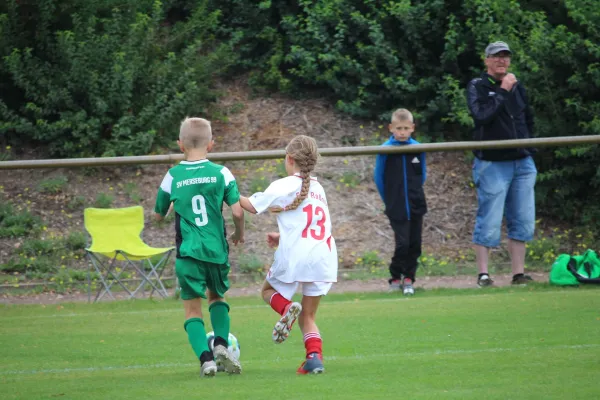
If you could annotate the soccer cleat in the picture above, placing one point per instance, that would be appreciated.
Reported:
(224, 358)
(395, 285)
(208, 368)
(484, 280)
(312, 365)
(521, 279)
(220, 367)
(282, 328)
(407, 288)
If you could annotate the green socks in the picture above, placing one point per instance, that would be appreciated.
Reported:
(196, 335)
(219, 318)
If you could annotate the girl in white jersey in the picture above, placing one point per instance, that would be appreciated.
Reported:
(306, 254)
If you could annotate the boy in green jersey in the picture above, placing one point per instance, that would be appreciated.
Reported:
(196, 189)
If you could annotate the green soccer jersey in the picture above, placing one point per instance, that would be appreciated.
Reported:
(198, 190)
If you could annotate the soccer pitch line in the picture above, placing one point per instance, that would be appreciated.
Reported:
(279, 360)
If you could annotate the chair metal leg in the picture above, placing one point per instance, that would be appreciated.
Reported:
(89, 277)
(162, 262)
(105, 275)
(116, 278)
(153, 274)
(105, 286)
(108, 275)
(96, 262)
(143, 275)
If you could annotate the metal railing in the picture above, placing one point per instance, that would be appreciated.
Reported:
(326, 152)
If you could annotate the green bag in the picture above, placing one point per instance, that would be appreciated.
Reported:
(570, 270)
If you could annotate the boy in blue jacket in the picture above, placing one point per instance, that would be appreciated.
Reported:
(399, 179)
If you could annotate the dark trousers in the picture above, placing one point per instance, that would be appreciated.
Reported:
(407, 235)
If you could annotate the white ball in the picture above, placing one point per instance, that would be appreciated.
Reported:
(234, 344)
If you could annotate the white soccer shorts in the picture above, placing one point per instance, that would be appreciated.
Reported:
(287, 290)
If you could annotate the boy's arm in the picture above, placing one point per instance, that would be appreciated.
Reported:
(163, 205)
(424, 168)
(238, 220)
(160, 217)
(247, 205)
(378, 174)
(232, 199)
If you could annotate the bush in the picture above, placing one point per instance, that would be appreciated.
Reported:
(133, 192)
(53, 185)
(76, 241)
(251, 264)
(370, 260)
(115, 77)
(104, 200)
(14, 223)
(40, 258)
(75, 203)
(372, 57)
(547, 246)
(104, 78)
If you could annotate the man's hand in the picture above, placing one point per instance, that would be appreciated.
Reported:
(273, 239)
(508, 82)
(237, 237)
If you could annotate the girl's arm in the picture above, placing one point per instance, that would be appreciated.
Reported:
(246, 205)
(273, 239)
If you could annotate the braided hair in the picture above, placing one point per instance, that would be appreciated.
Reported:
(303, 150)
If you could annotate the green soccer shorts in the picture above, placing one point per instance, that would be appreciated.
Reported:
(195, 276)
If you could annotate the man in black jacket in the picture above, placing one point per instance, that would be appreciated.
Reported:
(504, 178)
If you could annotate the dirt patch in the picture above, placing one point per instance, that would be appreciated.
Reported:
(264, 124)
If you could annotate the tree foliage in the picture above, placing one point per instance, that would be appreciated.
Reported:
(371, 57)
(104, 77)
(113, 77)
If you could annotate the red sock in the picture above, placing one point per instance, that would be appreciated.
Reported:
(313, 343)
(279, 303)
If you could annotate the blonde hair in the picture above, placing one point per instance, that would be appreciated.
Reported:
(303, 150)
(402, 114)
(195, 133)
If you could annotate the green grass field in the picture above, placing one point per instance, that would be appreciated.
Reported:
(512, 343)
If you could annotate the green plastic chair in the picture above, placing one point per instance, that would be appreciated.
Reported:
(115, 240)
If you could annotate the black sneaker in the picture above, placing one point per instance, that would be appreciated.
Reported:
(521, 279)
(484, 280)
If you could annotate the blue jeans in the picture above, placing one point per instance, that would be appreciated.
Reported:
(504, 189)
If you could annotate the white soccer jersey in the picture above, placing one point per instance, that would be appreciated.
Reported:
(307, 251)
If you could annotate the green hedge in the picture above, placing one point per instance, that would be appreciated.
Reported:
(371, 57)
(92, 77)
(107, 78)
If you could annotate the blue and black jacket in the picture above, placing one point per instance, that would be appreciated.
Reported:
(399, 179)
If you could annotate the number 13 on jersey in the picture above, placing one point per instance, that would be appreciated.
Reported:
(319, 215)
